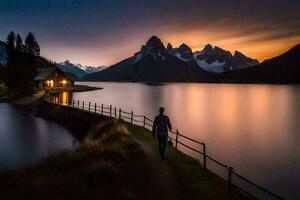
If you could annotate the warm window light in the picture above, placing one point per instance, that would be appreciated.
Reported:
(49, 83)
(64, 82)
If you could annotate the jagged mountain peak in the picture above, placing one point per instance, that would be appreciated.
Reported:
(238, 54)
(217, 59)
(154, 48)
(222, 51)
(169, 47)
(77, 69)
(67, 62)
(208, 47)
(155, 44)
(184, 47)
(183, 52)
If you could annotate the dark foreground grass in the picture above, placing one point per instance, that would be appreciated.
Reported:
(3, 89)
(103, 167)
(195, 182)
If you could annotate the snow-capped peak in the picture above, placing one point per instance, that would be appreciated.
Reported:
(77, 69)
(216, 59)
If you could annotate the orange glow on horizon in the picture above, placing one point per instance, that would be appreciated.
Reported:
(260, 50)
(260, 45)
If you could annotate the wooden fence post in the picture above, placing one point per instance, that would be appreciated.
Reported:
(115, 112)
(144, 122)
(95, 107)
(78, 104)
(102, 109)
(230, 169)
(89, 106)
(131, 119)
(176, 142)
(110, 107)
(120, 113)
(204, 156)
(83, 105)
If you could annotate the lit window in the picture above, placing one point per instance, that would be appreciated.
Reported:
(64, 82)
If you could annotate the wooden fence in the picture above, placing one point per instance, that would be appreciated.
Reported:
(145, 122)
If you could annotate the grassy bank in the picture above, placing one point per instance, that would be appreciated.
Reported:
(108, 165)
(195, 182)
(3, 89)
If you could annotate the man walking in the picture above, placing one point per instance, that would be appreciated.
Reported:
(160, 128)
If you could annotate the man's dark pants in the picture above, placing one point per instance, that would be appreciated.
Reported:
(162, 144)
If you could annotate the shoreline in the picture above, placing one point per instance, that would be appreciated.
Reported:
(30, 99)
(77, 88)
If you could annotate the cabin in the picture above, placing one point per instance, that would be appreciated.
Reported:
(52, 77)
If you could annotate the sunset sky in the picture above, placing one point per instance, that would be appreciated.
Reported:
(103, 32)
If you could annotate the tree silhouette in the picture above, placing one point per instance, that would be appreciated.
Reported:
(19, 44)
(31, 45)
(11, 40)
(21, 64)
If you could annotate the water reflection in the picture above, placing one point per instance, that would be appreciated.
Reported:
(25, 139)
(254, 128)
(65, 98)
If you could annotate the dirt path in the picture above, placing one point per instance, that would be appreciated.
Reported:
(166, 183)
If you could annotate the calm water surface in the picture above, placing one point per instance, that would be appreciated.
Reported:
(254, 128)
(25, 139)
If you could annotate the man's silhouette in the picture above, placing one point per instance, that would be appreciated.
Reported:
(160, 128)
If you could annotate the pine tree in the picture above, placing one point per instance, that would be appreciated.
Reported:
(11, 40)
(37, 49)
(31, 45)
(21, 64)
(19, 44)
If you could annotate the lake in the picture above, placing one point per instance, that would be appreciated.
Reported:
(253, 128)
(25, 139)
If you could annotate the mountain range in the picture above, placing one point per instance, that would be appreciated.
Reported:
(283, 69)
(213, 59)
(157, 63)
(77, 69)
